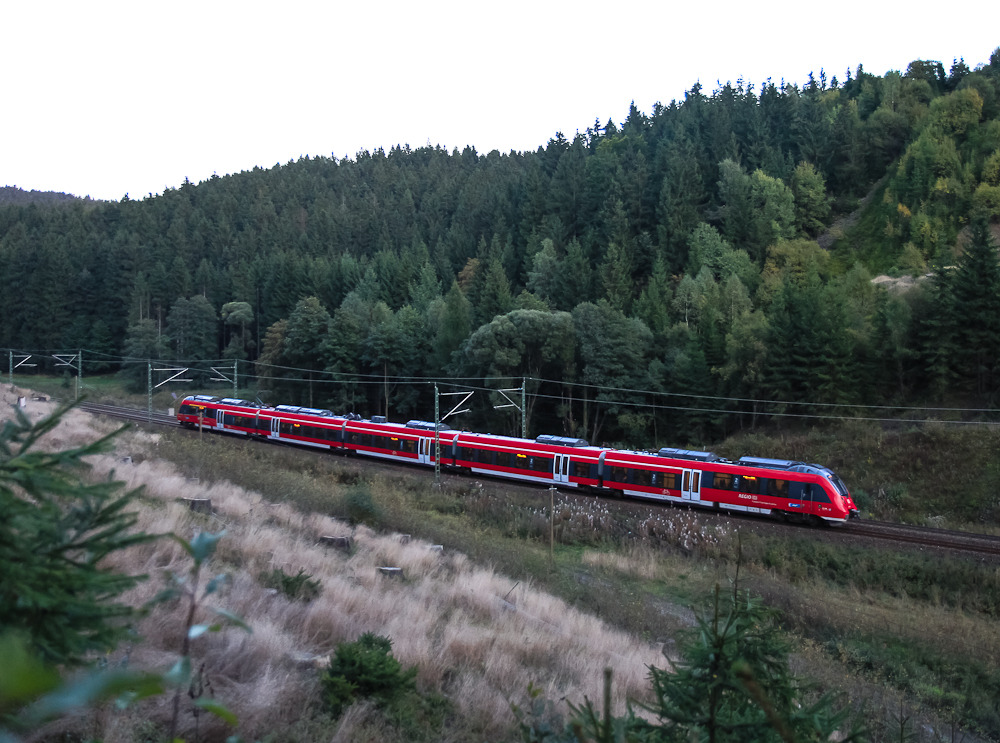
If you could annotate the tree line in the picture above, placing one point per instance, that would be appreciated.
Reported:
(720, 246)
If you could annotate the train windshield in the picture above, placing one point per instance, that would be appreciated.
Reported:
(834, 479)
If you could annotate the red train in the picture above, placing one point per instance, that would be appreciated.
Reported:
(790, 490)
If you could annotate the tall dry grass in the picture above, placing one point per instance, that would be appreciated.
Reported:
(475, 635)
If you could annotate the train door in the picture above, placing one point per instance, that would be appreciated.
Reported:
(220, 419)
(691, 485)
(424, 447)
(275, 422)
(560, 468)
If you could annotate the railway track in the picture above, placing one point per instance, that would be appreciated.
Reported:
(927, 536)
(131, 414)
(882, 530)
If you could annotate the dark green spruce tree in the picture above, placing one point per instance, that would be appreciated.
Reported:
(55, 531)
(939, 332)
(977, 303)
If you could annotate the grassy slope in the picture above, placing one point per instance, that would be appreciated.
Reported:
(924, 624)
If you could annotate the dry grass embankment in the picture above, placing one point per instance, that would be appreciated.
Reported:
(474, 636)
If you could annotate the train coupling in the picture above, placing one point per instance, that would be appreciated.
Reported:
(854, 513)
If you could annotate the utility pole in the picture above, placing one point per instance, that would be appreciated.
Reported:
(511, 404)
(235, 376)
(23, 362)
(524, 410)
(79, 373)
(179, 371)
(437, 424)
(552, 527)
(437, 436)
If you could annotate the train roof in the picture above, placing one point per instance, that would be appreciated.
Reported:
(561, 441)
(697, 456)
(427, 425)
(305, 411)
(773, 464)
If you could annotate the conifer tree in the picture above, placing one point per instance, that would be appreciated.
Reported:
(938, 331)
(734, 684)
(425, 288)
(495, 297)
(616, 277)
(977, 303)
(575, 280)
(455, 326)
(682, 199)
(653, 306)
(54, 534)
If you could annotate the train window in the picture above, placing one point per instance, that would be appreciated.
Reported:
(541, 464)
(263, 424)
(642, 477)
(582, 469)
(366, 439)
(818, 494)
(354, 437)
(409, 446)
(188, 410)
(619, 474)
(467, 454)
(521, 461)
(670, 481)
(748, 484)
(503, 459)
(382, 442)
(286, 427)
(777, 488)
(722, 481)
(209, 413)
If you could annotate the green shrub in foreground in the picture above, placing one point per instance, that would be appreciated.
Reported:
(298, 587)
(365, 669)
(361, 507)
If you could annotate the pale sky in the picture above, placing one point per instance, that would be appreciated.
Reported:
(108, 98)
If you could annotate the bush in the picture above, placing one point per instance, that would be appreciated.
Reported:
(862, 500)
(298, 587)
(361, 508)
(365, 669)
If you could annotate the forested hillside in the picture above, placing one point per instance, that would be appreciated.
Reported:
(15, 195)
(721, 246)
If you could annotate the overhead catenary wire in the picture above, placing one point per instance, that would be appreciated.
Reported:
(768, 413)
(326, 377)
